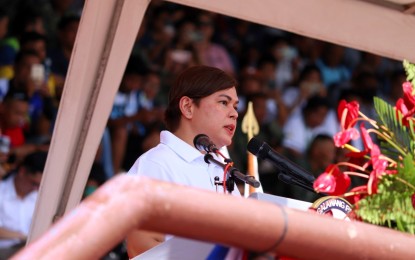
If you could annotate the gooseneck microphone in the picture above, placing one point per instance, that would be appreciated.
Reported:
(234, 172)
(291, 173)
(203, 143)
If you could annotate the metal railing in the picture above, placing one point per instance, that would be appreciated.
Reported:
(126, 203)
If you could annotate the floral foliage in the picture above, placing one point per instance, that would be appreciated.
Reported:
(386, 162)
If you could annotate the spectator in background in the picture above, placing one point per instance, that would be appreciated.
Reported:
(253, 84)
(316, 117)
(181, 54)
(381, 67)
(210, 53)
(28, 19)
(14, 111)
(36, 42)
(308, 49)
(61, 54)
(54, 10)
(266, 67)
(309, 84)
(142, 129)
(4, 23)
(332, 69)
(17, 203)
(4, 154)
(126, 115)
(286, 62)
(158, 35)
(320, 154)
(28, 79)
(242, 40)
(366, 85)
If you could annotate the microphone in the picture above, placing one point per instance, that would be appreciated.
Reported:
(264, 151)
(234, 172)
(203, 143)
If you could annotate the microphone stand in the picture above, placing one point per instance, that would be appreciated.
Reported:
(233, 173)
(292, 180)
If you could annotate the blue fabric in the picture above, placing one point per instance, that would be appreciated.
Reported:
(218, 252)
(7, 55)
(36, 106)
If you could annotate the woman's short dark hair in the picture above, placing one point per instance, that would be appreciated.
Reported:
(196, 83)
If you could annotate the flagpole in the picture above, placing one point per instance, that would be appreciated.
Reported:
(250, 127)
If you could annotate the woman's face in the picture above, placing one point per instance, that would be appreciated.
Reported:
(216, 116)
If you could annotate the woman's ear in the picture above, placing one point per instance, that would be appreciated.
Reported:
(186, 107)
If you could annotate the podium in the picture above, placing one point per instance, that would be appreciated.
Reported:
(188, 249)
(178, 248)
(283, 201)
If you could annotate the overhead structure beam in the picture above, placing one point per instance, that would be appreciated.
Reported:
(362, 25)
(104, 41)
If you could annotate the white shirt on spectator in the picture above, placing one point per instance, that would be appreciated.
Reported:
(15, 212)
(297, 136)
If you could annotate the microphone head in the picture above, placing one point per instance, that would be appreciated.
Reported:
(198, 138)
(258, 148)
(202, 143)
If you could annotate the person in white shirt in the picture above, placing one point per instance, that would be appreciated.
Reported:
(18, 194)
(203, 100)
(316, 117)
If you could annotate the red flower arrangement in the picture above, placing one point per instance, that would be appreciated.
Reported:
(387, 162)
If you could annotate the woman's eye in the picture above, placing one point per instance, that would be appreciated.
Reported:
(223, 102)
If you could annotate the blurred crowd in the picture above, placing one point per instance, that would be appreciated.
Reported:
(294, 83)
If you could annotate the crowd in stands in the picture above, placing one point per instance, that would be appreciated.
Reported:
(294, 83)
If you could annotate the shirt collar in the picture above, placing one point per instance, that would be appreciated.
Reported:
(180, 147)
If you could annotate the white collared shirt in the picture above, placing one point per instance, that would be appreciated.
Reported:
(173, 160)
(15, 213)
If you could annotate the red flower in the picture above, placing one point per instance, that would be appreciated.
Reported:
(413, 200)
(372, 183)
(379, 164)
(357, 193)
(358, 157)
(367, 141)
(343, 137)
(332, 181)
(347, 113)
(401, 107)
(408, 95)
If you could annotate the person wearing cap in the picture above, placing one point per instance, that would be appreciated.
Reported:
(18, 194)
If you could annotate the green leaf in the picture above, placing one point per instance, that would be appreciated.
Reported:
(392, 126)
(410, 71)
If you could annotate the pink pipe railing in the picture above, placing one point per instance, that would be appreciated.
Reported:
(126, 202)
